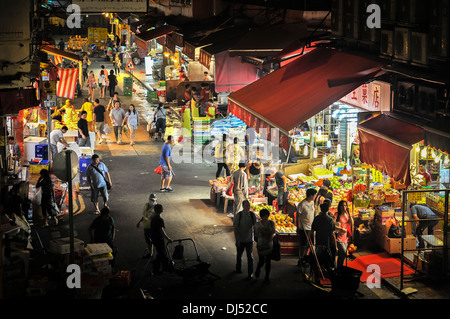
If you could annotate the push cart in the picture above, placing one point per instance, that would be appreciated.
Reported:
(185, 259)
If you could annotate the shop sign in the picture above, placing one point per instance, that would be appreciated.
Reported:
(100, 6)
(374, 96)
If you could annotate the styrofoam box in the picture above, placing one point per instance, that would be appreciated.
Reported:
(62, 245)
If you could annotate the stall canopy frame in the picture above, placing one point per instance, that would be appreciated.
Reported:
(294, 93)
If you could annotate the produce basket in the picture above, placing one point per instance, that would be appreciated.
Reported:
(376, 198)
(361, 202)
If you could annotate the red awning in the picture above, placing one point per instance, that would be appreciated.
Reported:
(14, 100)
(385, 143)
(140, 43)
(294, 93)
(68, 55)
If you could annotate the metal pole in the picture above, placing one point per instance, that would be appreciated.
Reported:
(69, 182)
(404, 194)
(445, 264)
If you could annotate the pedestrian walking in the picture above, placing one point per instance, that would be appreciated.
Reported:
(103, 230)
(264, 234)
(117, 115)
(112, 79)
(61, 45)
(84, 140)
(239, 183)
(91, 84)
(47, 196)
(323, 228)
(85, 65)
(158, 237)
(221, 158)
(89, 108)
(147, 214)
(166, 168)
(305, 217)
(102, 83)
(99, 120)
(117, 63)
(132, 121)
(98, 178)
(160, 119)
(112, 101)
(244, 232)
(57, 136)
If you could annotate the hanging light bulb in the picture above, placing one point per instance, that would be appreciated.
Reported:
(418, 148)
(433, 154)
(446, 160)
(324, 160)
(315, 153)
(437, 159)
(424, 152)
(329, 144)
(305, 151)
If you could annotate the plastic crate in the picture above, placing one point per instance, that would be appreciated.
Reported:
(41, 151)
(128, 92)
(84, 163)
(36, 167)
(127, 81)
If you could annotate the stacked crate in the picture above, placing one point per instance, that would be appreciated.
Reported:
(202, 130)
(128, 86)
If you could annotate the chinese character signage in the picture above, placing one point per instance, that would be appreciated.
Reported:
(374, 96)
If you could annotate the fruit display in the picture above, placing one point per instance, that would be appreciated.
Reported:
(296, 195)
(320, 172)
(306, 179)
(257, 207)
(361, 200)
(283, 223)
(359, 187)
(352, 248)
(366, 213)
(340, 194)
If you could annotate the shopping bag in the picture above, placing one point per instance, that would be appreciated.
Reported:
(276, 250)
(106, 129)
(229, 190)
(54, 209)
(158, 170)
(36, 200)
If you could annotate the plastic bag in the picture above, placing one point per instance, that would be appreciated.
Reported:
(106, 129)
(36, 200)
(158, 170)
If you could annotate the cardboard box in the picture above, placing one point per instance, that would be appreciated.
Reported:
(394, 245)
(384, 213)
(62, 245)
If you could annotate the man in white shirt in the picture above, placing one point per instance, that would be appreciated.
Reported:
(56, 136)
(240, 189)
(305, 217)
(207, 76)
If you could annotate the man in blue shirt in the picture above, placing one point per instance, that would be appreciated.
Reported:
(97, 173)
(423, 216)
(166, 169)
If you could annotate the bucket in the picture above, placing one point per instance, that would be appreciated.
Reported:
(345, 278)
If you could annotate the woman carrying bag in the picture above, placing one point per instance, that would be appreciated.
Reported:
(264, 233)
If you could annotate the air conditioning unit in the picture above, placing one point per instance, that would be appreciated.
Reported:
(406, 93)
(402, 43)
(426, 104)
(419, 47)
(387, 42)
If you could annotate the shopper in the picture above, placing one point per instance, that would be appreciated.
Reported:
(158, 237)
(57, 136)
(98, 176)
(343, 224)
(132, 120)
(85, 65)
(322, 229)
(112, 101)
(117, 63)
(47, 196)
(61, 45)
(305, 217)
(425, 219)
(187, 93)
(244, 227)
(160, 119)
(89, 108)
(329, 194)
(264, 233)
(255, 170)
(319, 199)
(240, 189)
(84, 140)
(220, 157)
(281, 182)
(99, 120)
(147, 215)
(117, 115)
(102, 83)
(91, 84)
(166, 168)
(112, 79)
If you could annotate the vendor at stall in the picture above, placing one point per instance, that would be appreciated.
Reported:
(59, 114)
(89, 108)
(57, 135)
(235, 154)
(71, 114)
(14, 150)
(186, 115)
(426, 180)
(211, 110)
(195, 103)
(255, 174)
(281, 182)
